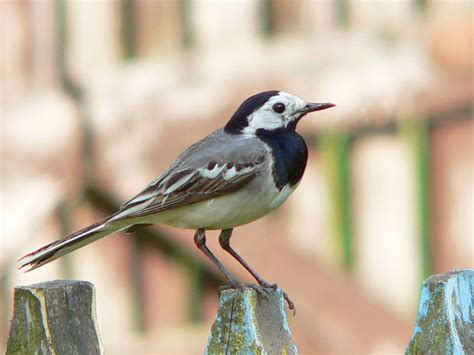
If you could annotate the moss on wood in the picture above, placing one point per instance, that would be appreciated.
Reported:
(247, 323)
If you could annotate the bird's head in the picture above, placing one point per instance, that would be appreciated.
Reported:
(270, 111)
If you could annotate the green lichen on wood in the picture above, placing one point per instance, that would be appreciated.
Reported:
(25, 339)
(56, 317)
(247, 323)
(445, 323)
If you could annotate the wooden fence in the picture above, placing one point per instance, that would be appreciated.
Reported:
(58, 317)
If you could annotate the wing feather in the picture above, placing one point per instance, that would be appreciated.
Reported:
(184, 187)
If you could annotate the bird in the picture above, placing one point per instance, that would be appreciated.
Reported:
(235, 175)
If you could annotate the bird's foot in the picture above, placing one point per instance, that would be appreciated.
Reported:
(287, 298)
(261, 289)
(234, 284)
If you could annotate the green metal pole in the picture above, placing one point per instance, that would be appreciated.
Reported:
(335, 151)
(266, 11)
(342, 11)
(187, 21)
(128, 28)
(417, 135)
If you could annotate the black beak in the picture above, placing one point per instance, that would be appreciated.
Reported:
(311, 107)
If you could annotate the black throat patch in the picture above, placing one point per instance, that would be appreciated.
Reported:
(290, 155)
(238, 121)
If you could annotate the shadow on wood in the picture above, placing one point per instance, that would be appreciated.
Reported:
(445, 323)
(247, 323)
(55, 317)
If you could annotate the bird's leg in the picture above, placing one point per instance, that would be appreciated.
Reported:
(224, 241)
(200, 241)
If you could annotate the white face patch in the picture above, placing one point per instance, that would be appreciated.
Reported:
(266, 118)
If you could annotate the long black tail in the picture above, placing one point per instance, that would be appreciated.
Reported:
(68, 244)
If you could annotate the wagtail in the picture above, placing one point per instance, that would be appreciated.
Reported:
(235, 175)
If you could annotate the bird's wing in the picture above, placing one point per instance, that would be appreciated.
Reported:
(202, 172)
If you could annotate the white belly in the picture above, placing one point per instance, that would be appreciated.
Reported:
(224, 212)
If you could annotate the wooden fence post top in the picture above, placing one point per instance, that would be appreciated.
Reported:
(247, 323)
(445, 323)
(54, 317)
(56, 284)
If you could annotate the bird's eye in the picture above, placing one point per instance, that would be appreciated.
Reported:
(279, 107)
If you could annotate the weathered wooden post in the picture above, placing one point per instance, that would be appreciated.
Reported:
(247, 323)
(55, 317)
(445, 323)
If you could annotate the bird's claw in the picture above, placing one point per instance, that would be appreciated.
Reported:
(287, 298)
(262, 290)
(289, 302)
(265, 284)
(233, 284)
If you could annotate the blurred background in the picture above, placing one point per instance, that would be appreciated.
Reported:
(98, 97)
